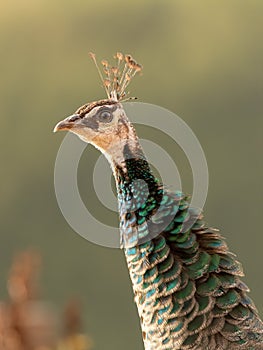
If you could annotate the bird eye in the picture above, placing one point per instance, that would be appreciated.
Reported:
(105, 116)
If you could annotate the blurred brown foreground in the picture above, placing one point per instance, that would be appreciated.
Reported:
(29, 323)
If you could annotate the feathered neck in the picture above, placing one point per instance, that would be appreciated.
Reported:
(133, 167)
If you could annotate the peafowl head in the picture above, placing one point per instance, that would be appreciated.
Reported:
(104, 123)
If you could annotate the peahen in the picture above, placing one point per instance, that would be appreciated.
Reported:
(186, 282)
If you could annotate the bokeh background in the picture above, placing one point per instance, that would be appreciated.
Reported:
(202, 60)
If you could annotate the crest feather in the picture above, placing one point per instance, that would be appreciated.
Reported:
(117, 78)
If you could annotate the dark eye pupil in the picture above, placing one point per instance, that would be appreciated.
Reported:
(105, 116)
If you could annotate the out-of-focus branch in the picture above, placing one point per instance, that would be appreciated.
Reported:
(29, 323)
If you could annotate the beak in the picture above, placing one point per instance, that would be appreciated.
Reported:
(65, 124)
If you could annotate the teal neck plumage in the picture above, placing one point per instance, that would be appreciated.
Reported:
(139, 195)
(133, 169)
(186, 283)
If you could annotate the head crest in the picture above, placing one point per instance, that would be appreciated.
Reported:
(117, 77)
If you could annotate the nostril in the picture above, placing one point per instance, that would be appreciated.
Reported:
(73, 118)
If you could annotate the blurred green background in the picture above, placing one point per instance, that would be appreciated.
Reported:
(202, 60)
